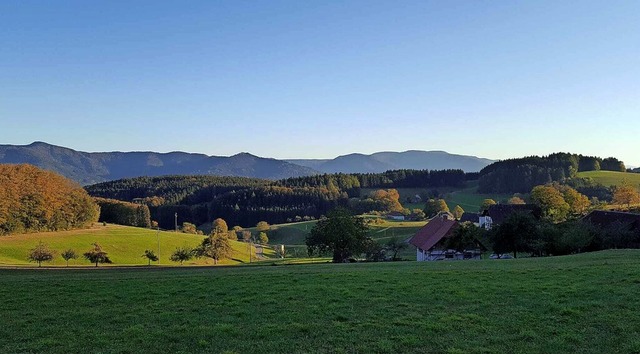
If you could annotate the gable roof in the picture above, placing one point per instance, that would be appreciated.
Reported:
(500, 212)
(470, 217)
(604, 218)
(431, 233)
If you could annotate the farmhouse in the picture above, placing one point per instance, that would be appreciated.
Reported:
(606, 219)
(429, 240)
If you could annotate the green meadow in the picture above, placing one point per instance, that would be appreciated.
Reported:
(611, 178)
(125, 246)
(585, 303)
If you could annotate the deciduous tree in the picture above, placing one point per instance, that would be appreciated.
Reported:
(626, 194)
(40, 253)
(69, 254)
(457, 212)
(181, 255)
(216, 247)
(150, 255)
(551, 202)
(340, 233)
(97, 255)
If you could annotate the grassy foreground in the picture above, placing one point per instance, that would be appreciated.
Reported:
(125, 246)
(585, 303)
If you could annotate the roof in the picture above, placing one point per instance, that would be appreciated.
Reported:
(500, 212)
(434, 231)
(604, 218)
(470, 217)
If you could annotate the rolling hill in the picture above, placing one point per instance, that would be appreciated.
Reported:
(383, 161)
(89, 168)
(125, 246)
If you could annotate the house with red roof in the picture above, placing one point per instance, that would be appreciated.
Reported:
(429, 240)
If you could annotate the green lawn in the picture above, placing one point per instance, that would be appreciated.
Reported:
(293, 235)
(610, 178)
(125, 245)
(576, 304)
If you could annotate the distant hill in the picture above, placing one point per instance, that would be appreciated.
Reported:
(88, 168)
(383, 161)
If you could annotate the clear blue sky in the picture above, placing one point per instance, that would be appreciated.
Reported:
(316, 79)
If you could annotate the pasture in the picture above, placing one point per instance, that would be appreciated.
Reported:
(125, 246)
(611, 178)
(584, 303)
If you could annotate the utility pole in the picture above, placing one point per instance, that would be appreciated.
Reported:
(158, 238)
(176, 222)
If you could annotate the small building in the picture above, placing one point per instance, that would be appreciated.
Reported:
(394, 215)
(429, 240)
(473, 218)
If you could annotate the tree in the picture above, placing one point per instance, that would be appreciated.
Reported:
(150, 255)
(189, 228)
(417, 215)
(464, 237)
(626, 194)
(97, 255)
(515, 234)
(181, 255)
(40, 253)
(263, 226)
(263, 239)
(578, 202)
(216, 246)
(457, 212)
(340, 233)
(395, 245)
(220, 226)
(515, 200)
(551, 202)
(434, 206)
(69, 254)
(487, 203)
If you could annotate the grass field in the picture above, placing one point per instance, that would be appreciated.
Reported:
(125, 245)
(575, 304)
(293, 235)
(610, 178)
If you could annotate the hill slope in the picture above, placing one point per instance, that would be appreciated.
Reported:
(88, 168)
(125, 245)
(611, 178)
(383, 161)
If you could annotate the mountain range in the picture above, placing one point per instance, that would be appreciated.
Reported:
(94, 167)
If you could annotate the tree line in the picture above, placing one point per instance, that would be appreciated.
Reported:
(245, 201)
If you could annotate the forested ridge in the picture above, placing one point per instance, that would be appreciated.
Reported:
(522, 174)
(245, 201)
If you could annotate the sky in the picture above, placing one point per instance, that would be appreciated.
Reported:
(318, 79)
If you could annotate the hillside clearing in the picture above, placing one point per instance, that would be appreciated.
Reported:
(585, 303)
(611, 178)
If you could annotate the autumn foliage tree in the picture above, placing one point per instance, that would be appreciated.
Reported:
(33, 200)
(97, 255)
(626, 194)
(40, 253)
(217, 246)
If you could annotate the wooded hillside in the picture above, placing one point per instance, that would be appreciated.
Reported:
(34, 200)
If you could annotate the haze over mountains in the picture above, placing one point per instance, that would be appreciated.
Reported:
(88, 168)
(384, 161)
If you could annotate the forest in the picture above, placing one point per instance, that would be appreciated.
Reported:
(521, 175)
(245, 201)
(34, 200)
